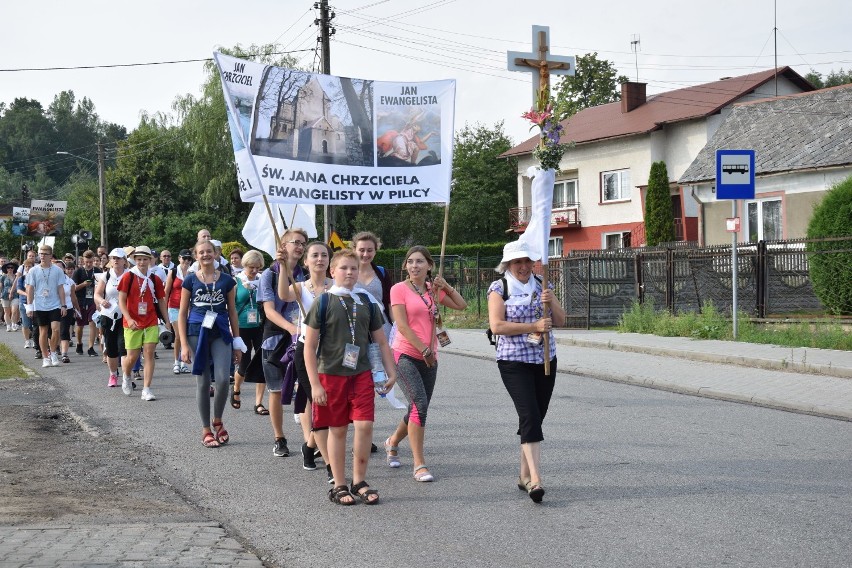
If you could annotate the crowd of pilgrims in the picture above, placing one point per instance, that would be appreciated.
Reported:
(324, 331)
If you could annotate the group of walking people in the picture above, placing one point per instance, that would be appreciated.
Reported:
(324, 330)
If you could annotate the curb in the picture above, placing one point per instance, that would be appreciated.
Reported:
(704, 392)
(739, 360)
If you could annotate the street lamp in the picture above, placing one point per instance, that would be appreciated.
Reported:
(101, 189)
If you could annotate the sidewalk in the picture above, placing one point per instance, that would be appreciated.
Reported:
(810, 381)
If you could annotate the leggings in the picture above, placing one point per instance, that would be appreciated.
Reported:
(221, 355)
(417, 382)
(530, 390)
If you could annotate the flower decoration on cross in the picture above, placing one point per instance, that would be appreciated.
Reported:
(550, 149)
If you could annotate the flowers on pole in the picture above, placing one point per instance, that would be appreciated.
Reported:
(549, 150)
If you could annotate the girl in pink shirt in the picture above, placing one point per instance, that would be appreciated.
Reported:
(415, 311)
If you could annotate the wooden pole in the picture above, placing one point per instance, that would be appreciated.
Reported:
(440, 272)
(286, 269)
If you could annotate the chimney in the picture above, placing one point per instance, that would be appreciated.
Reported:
(632, 95)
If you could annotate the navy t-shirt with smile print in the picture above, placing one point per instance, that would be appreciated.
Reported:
(205, 297)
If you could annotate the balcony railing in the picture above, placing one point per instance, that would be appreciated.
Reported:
(566, 214)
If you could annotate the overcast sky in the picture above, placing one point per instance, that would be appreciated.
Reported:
(682, 44)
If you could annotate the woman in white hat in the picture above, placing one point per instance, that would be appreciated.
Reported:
(106, 300)
(516, 313)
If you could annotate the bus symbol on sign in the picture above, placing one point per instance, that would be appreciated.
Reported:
(735, 168)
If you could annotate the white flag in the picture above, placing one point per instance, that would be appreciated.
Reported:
(537, 233)
(258, 231)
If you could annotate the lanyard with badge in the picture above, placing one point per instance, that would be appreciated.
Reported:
(251, 313)
(210, 316)
(350, 353)
(143, 305)
(90, 284)
(45, 292)
(432, 308)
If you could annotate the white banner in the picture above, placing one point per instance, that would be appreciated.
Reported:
(537, 234)
(306, 138)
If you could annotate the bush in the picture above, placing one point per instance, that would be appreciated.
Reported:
(831, 272)
(659, 219)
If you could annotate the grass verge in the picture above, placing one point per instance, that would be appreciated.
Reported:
(10, 365)
(711, 324)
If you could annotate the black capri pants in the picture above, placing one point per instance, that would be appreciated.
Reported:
(66, 324)
(530, 390)
(253, 338)
(113, 332)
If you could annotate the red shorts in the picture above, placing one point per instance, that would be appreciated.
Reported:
(349, 398)
(87, 313)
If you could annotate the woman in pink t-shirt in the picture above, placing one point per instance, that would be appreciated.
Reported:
(415, 312)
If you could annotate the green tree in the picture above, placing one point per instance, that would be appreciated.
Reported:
(593, 83)
(831, 264)
(485, 186)
(833, 79)
(26, 136)
(659, 219)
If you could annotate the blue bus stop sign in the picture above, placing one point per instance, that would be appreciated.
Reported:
(734, 174)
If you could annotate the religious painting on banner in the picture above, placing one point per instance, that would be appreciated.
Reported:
(46, 217)
(308, 138)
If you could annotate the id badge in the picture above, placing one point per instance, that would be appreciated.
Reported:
(45, 293)
(534, 338)
(90, 292)
(143, 308)
(350, 356)
(443, 337)
(209, 320)
(251, 316)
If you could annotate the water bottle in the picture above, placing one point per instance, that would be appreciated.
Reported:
(377, 368)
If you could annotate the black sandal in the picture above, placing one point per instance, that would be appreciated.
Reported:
(355, 490)
(235, 402)
(536, 492)
(260, 409)
(339, 493)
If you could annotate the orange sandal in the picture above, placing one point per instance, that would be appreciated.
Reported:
(221, 434)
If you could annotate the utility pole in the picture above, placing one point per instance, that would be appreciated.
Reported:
(324, 39)
(102, 195)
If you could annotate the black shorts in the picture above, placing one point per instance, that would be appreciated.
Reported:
(47, 317)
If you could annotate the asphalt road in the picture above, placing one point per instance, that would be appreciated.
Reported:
(634, 477)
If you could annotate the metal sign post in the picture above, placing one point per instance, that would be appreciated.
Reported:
(734, 180)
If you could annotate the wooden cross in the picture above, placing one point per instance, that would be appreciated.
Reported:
(539, 62)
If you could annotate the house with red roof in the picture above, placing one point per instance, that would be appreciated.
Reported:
(598, 200)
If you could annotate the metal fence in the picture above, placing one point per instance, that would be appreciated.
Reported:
(597, 286)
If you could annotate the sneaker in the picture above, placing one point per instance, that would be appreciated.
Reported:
(176, 368)
(281, 450)
(65, 358)
(15, 327)
(147, 395)
(79, 349)
(113, 380)
(91, 352)
(8, 327)
(317, 455)
(54, 359)
(308, 462)
(137, 375)
(38, 354)
(45, 362)
(27, 344)
(329, 475)
(125, 386)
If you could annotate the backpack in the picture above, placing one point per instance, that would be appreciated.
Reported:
(492, 337)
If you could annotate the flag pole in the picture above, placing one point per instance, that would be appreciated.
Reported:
(440, 271)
